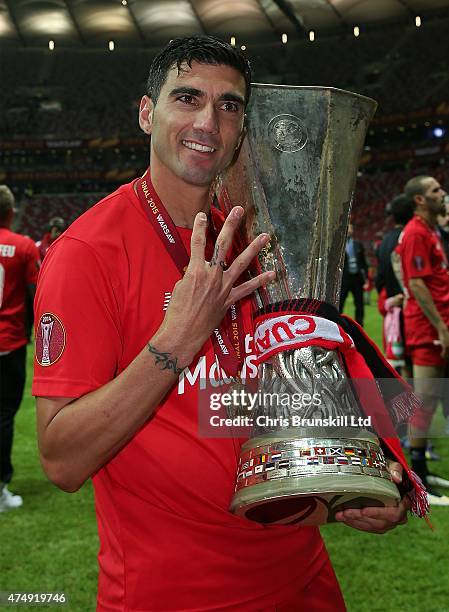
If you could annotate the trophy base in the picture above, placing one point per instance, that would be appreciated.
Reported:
(307, 481)
(287, 502)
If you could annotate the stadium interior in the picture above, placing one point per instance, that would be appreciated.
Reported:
(72, 73)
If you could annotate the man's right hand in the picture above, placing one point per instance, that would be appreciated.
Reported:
(397, 300)
(443, 340)
(202, 297)
(424, 298)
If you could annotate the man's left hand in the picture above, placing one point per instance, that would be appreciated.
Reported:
(375, 519)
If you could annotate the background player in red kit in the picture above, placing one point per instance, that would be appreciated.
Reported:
(118, 379)
(426, 314)
(56, 226)
(19, 263)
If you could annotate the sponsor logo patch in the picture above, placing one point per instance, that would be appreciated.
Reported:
(50, 339)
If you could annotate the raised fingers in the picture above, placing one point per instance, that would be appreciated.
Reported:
(225, 237)
(241, 263)
(241, 291)
(198, 239)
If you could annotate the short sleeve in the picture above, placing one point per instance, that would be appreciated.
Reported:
(78, 339)
(32, 263)
(415, 256)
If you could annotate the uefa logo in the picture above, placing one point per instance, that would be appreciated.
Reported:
(287, 134)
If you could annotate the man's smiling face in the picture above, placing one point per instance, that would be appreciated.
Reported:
(197, 121)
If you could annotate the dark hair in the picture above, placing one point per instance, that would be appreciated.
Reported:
(6, 201)
(415, 186)
(401, 209)
(201, 49)
(56, 222)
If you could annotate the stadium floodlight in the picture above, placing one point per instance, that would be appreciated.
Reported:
(438, 132)
(233, 41)
(51, 45)
(418, 21)
(311, 35)
(124, 2)
(243, 47)
(284, 38)
(356, 31)
(5, 25)
(111, 45)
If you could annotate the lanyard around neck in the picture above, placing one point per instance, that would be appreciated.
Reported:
(231, 353)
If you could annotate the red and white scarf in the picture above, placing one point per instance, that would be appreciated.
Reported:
(305, 322)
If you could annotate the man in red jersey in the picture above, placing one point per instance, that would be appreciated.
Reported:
(426, 315)
(56, 226)
(19, 262)
(126, 340)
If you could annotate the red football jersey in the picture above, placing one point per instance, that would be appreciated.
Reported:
(44, 244)
(167, 538)
(422, 256)
(19, 266)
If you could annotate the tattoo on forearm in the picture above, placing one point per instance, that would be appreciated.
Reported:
(165, 360)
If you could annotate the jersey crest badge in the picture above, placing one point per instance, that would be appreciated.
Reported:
(50, 339)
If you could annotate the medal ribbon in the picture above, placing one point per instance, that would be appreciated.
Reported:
(231, 352)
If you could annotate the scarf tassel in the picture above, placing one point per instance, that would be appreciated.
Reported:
(418, 497)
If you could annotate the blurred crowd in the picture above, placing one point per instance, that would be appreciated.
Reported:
(65, 93)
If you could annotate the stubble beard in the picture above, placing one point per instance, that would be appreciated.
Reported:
(433, 206)
(197, 176)
(201, 177)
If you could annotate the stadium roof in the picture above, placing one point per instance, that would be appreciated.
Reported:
(150, 23)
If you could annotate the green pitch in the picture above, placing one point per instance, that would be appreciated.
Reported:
(50, 544)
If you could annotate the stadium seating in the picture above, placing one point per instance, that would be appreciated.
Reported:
(90, 93)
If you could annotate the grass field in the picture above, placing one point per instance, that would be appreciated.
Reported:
(50, 544)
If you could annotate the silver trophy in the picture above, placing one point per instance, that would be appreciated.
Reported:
(294, 176)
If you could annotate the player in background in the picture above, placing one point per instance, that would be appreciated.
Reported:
(19, 265)
(56, 226)
(426, 316)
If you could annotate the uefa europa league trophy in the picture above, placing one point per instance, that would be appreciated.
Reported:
(295, 176)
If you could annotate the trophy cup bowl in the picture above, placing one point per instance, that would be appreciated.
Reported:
(295, 175)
